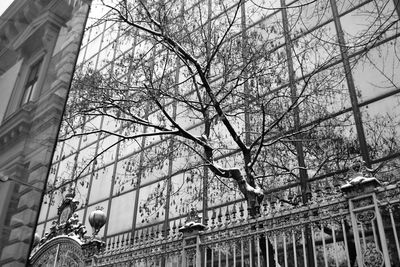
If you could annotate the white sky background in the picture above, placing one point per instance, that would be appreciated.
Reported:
(4, 4)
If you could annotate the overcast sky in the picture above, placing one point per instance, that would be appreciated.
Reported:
(4, 4)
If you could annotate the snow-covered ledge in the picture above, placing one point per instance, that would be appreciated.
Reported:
(193, 224)
(360, 184)
(360, 179)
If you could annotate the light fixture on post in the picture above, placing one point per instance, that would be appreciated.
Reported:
(5, 178)
(97, 220)
(93, 245)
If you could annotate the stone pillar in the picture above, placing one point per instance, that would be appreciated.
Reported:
(191, 254)
(365, 217)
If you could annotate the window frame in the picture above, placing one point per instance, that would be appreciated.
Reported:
(31, 85)
(16, 103)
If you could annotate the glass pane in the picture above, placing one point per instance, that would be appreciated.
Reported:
(155, 162)
(101, 184)
(86, 160)
(44, 208)
(66, 169)
(369, 23)
(71, 146)
(93, 48)
(382, 126)
(27, 94)
(107, 148)
(260, 9)
(388, 171)
(377, 71)
(55, 201)
(331, 145)
(315, 50)
(121, 214)
(126, 177)
(345, 5)
(40, 229)
(186, 193)
(304, 15)
(326, 92)
(151, 207)
(81, 190)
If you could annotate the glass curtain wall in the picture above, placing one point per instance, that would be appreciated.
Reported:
(336, 62)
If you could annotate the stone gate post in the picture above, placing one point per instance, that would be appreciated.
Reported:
(191, 254)
(366, 221)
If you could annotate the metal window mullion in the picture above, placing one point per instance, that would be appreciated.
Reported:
(117, 40)
(397, 6)
(205, 168)
(86, 45)
(138, 184)
(246, 92)
(294, 98)
(100, 47)
(46, 219)
(171, 149)
(112, 182)
(350, 83)
(114, 172)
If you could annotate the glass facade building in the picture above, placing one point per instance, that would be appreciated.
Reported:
(323, 74)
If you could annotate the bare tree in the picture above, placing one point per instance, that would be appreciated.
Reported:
(207, 75)
(218, 93)
(254, 102)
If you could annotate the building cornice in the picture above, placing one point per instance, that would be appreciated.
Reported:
(23, 18)
(46, 19)
(17, 126)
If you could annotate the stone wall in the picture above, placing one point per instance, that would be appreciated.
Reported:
(28, 135)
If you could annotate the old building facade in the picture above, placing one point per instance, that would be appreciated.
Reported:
(39, 43)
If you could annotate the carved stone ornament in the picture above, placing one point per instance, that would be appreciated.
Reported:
(67, 223)
(359, 179)
(193, 223)
(67, 208)
(67, 240)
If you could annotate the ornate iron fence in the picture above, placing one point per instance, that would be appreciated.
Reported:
(354, 228)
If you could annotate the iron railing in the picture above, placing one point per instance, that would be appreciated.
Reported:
(356, 227)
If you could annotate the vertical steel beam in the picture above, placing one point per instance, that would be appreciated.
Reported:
(296, 117)
(246, 93)
(294, 97)
(397, 7)
(350, 83)
(205, 168)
